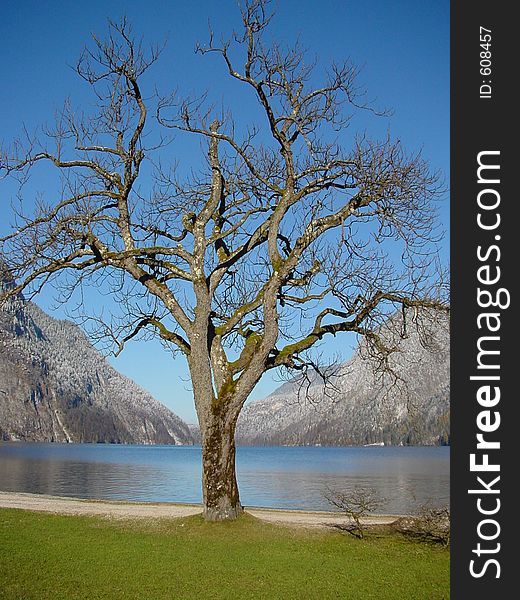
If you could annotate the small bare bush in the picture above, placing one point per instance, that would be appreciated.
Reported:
(356, 504)
(431, 524)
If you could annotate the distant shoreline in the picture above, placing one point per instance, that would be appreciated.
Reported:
(161, 510)
(197, 444)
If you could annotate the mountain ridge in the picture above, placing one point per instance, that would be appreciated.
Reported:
(407, 404)
(55, 386)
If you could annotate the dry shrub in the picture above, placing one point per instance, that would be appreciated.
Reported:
(431, 524)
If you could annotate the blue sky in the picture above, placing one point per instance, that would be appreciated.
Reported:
(402, 48)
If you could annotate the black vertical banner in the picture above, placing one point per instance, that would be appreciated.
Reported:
(485, 242)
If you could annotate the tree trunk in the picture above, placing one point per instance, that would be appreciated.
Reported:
(219, 484)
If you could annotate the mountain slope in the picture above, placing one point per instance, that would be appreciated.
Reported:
(55, 386)
(408, 406)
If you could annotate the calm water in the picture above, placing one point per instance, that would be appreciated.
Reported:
(277, 477)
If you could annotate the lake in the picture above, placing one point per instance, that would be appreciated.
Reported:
(275, 477)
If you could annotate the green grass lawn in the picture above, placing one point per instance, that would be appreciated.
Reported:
(66, 558)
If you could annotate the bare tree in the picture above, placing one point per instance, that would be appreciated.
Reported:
(356, 503)
(283, 239)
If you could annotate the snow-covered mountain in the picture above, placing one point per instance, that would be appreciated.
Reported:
(409, 405)
(55, 386)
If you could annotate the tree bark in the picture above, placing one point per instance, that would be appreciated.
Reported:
(221, 499)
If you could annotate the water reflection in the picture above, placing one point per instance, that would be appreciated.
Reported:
(271, 477)
(98, 471)
(80, 479)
